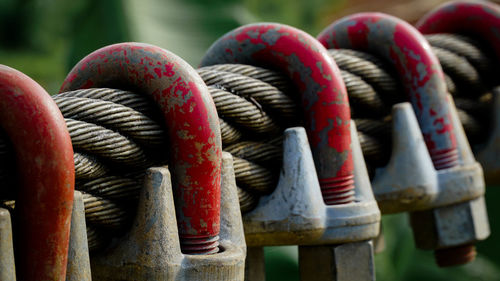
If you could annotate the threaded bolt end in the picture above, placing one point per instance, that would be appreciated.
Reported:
(455, 256)
(338, 190)
(445, 159)
(200, 245)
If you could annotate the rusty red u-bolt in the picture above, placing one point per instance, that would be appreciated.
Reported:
(418, 68)
(480, 18)
(192, 124)
(324, 96)
(45, 169)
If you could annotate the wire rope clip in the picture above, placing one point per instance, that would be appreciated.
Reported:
(323, 196)
(193, 244)
(480, 19)
(151, 249)
(431, 166)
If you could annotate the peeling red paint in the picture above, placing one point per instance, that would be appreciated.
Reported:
(37, 130)
(324, 96)
(480, 18)
(418, 68)
(187, 107)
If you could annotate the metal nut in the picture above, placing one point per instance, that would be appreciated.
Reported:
(345, 262)
(452, 225)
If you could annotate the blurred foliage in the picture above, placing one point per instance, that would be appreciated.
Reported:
(45, 38)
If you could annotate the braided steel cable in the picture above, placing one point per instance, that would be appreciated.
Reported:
(116, 136)
(469, 66)
(254, 105)
(373, 89)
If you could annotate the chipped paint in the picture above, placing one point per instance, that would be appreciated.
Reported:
(190, 116)
(37, 129)
(307, 63)
(418, 68)
(480, 18)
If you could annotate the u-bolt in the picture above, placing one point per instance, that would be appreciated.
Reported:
(191, 121)
(419, 69)
(323, 94)
(480, 18)
(45, 171)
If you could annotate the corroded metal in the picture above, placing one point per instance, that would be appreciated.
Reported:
(190, 117)
(78, 253)
(44, 160)
(150, 250)
(339, 262)
(418, 67)
(480, 18)
(323, 93)
(7, 264)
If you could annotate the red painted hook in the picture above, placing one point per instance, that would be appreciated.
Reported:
(479, 18)
(418, 67)
(44, 159)
(192, 122)
(324, 96)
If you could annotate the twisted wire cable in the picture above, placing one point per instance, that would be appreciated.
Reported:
(372, 89)
(254, 105)
(116, 136)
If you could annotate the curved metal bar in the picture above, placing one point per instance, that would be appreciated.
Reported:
(44, 159)
(191, 120)
(480, 18)
(316, 76)
(418, 68)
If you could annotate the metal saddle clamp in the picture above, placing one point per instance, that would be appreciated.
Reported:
(480, 19)
(327, 160)
(434, 178)
(295, 214)
(45, 177)
(151, 249)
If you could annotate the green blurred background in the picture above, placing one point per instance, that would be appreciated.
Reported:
(45, 38)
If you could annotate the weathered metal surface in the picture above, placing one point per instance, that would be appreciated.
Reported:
(255, 265)
(150, 251)
(410, 183)
(294, 213)
(322, 89)
(450, 226)
(44, 160)
(338, 262)
(192, 124)
(418, 68)
(7, 264)
(78, 254)
(480, 18)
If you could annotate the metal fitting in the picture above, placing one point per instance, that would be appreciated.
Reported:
(192, 124)
(431, 165)
(323, 197)
(7, 264)
(151, 249)
(482, 19)
(341, 261)
(322, 91)
(451, 226)
(44, 160)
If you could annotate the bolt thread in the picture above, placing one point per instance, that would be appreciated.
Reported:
(337, 190)
(445, 158)
(455, 256)
(200, 245)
